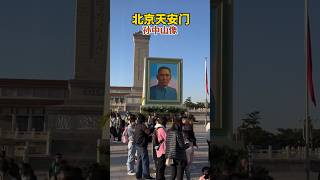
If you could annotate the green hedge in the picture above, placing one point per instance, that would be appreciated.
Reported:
(163, 109)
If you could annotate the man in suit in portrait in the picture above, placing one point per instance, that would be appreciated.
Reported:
(162, 91)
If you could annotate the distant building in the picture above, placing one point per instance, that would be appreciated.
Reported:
(50, 116)
(43, 117)
(129, 98)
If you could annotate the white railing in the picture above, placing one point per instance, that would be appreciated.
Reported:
(30, 135)
(118, 104)
(199, 110)
(296, 153)
(30, 151)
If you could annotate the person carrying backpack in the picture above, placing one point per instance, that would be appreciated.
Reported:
(153, 136)
(159, 147)
(140, 140)
(131, 147)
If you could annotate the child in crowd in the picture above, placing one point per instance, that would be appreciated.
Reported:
(205, 173)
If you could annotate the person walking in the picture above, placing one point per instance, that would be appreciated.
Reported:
(175, 149)
(55, 167)
(152, 120)
(160, 147)
(131, 146)
(113, 130)
(140, 139)
(118, 126)
(190, 143)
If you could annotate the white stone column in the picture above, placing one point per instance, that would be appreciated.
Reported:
(33, 132)
(16, 133)
(48, 143)
(13, 120)
(25, 157)
(287, 152)
(98, 150)
(270, 152)
(29, 119)
(45, 121)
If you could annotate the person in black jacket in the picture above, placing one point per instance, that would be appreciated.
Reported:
(140, 140)
(176, 150)
(120, 125)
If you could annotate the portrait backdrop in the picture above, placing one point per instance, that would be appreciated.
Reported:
(157, 95)
(154, 71)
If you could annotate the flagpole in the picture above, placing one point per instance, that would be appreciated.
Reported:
(205, 123)
(206, 80)
(307, 162)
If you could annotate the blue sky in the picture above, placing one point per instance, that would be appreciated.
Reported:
(191, 44)
(269, 64)
(37, 39)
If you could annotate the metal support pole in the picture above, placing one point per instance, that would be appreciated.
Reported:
(307, 161)
(98, 150)
(250, 159)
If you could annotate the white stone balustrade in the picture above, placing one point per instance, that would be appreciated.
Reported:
(23, 135)
(286, 153)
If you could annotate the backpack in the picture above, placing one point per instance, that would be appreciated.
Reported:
(155, 141)
(125, 137)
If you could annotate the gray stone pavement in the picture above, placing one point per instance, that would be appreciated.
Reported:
(118, 158)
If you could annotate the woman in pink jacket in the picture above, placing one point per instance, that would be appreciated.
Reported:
(161, 134)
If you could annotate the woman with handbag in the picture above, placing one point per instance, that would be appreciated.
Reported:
(131, 146)
(160, 147)
(175, 150)
(190, 143)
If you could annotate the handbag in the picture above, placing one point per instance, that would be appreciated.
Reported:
(169, 161)
(187, 145)
(125, 137)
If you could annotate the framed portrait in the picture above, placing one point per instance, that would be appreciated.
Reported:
(162, 81)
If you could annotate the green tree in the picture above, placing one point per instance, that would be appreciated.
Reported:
(288, 137)
(200, 105)
(316, 138)
(252, 133)
(252, 120)
(188, 103)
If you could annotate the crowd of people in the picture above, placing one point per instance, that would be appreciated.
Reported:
(172, 147)
(58, 170)
(10, 170)
(173, 144)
